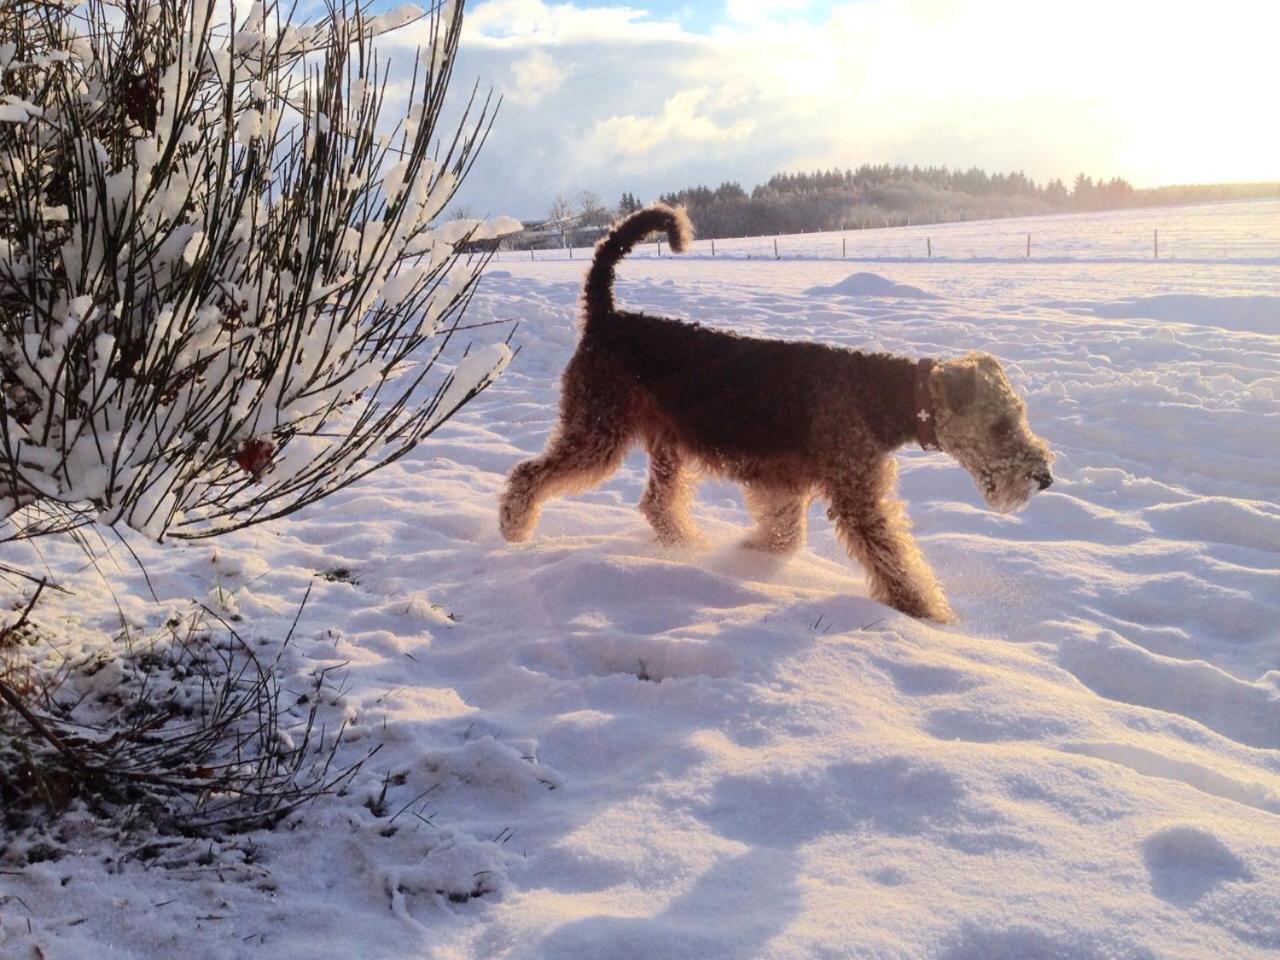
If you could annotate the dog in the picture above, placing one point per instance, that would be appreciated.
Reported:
(788, 420)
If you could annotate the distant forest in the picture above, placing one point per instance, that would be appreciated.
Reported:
(885, 195)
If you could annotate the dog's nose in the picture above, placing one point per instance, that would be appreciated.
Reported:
(1044, 478)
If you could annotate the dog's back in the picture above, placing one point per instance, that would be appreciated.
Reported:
(725, 394)
(721, 395)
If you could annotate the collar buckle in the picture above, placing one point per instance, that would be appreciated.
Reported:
(926, 427)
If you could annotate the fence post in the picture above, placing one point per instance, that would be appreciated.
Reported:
(531, 253)
(1028, 246)
(844, 248)
(571, 251)
(775, 249)
(1157, 243)
(659, 248)
(928, 245)
(713, 246)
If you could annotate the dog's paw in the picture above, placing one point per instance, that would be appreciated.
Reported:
(942, 615)
(919, 605)
(516, 526)
(921, 609)
(774, 546)
(683, 539)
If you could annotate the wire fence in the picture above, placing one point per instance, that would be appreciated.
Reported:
(1242, 233)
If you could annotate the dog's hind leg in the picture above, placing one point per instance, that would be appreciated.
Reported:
(573, 462)
(669, 495)
(593, 435)
(873, 525)
(779, 516)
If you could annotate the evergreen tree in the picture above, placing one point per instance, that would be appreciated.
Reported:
(1082, 193)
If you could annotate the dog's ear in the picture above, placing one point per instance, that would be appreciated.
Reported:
(959, 385)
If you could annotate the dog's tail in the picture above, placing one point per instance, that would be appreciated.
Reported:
(619, 241)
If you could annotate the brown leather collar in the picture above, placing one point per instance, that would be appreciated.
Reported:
(926, 428)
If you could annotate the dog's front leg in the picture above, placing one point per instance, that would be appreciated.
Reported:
(873, 525)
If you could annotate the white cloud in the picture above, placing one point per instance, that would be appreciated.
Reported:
(533, 78)
(684, 124)
(613, 99)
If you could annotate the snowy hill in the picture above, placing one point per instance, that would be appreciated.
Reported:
(594, 747)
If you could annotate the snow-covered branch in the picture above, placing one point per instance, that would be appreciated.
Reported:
(218, 256)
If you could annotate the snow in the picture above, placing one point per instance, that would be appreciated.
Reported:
(872, 285)
(1217, 234)
(1258, 314)
(594, 747)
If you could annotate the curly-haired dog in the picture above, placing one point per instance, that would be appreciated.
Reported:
(787, 420)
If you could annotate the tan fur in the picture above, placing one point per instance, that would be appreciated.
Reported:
(787, 420)
(983, 424)
(780, 517)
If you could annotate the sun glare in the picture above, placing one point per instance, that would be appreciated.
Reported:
(1156, 94)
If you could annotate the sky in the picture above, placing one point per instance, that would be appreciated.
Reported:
(650, 97)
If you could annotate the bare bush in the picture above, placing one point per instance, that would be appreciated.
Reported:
(194, 734)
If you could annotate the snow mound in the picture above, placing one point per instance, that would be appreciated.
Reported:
(1248, 314)
(1219, 520)
(1187, 862)
(489, 763)
(455, 870)
(1243, 711)
(871, 285)
(981, 941)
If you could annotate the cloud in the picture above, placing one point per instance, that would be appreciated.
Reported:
(683, 125)
(533, 78)
(615, 99)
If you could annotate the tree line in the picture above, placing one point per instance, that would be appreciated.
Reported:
(873, 195)
(881, 195)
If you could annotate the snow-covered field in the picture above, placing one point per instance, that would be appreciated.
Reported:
(1218, 233)
(597, 748)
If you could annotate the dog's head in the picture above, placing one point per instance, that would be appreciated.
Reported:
(982, 423)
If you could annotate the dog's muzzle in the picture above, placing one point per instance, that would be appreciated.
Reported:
(1044, 478)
